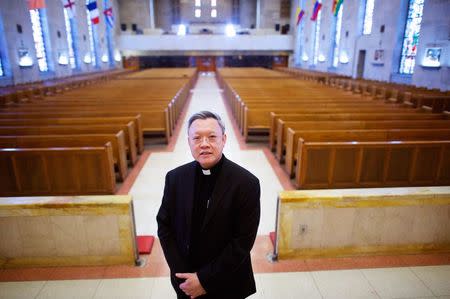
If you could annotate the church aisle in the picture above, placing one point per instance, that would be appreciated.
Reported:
(148, 188)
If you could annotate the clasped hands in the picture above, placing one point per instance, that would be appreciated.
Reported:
(191, 286)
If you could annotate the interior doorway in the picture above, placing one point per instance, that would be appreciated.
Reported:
(360, 65)
(206, 63)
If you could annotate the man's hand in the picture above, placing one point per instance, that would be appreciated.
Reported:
(191, 286)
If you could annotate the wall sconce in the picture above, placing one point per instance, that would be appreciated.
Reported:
(87, 58)
(305, 57)
(343, 58)
(321, 58)
(25, 59)
(117, 56)
(63, 59)
(105, 58)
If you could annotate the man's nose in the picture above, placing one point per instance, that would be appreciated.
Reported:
(204, 141)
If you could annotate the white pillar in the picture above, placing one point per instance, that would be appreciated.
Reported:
(152, 15)
(258, 14)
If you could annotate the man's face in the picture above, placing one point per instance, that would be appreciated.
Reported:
(206, 141)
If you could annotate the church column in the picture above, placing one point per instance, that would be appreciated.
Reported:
(152, 15)
(258, 14)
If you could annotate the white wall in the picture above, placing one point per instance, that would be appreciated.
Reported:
(435, 32)
(16, 12)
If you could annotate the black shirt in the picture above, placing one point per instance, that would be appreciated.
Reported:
(204, 186)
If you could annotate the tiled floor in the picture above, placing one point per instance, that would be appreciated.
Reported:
(362, 277)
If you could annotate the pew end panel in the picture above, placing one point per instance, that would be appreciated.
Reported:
(359, 222)
(67, 231)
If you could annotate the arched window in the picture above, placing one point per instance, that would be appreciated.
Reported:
(1, 66)
(368, 16)
(411, 36)
(109, 18)
(93, 40)
(39, 41)
(337, 36)
(71, 41)
(316, 37)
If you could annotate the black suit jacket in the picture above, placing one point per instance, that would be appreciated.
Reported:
(227, 234)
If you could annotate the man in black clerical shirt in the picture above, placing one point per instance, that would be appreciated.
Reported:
(209, 217)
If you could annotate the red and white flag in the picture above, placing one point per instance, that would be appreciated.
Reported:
(69, 5)
(93, 11)
(36, 4)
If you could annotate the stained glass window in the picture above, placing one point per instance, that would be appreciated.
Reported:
(337, 36)
(368, 16)
(70, 40)
(1, 68)
(411, 36)
(92, 38)
(38, 37)
(316, 38)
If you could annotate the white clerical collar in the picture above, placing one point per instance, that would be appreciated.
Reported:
(206, 171)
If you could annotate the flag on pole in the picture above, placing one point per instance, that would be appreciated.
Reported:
(336, 6)
(300, 12)
(316, 9)
(109, 16)
(36, 4)
(93, 11)
(69, 6)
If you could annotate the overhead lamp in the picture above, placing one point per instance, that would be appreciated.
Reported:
(181, 30)
(105, 58)
(305, 57)
(229, 30)
(321, 58)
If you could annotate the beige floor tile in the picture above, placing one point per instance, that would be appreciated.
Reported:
(20, 290)
(289, 285)
(347, 284)
(130, 288)
(396, 283)
(76, 289)
(436, 278)
(162, 289)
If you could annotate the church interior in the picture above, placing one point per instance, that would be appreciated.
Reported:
(341, 109)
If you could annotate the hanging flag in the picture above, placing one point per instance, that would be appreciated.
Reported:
(69, 5)
(109, 16)
(300, 13)
(316, 9)
(36, 4)
(336, 6)
(93, 11)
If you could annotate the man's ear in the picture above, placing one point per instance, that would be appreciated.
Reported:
(224, 138)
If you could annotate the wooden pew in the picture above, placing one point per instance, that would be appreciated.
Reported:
(42, 141)
(57, 171)
(372, 164)
(152, 121)
(355, 136)
(351, 125)
(259, 119)
(274, 117)
(34, 121)
(78, 129)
